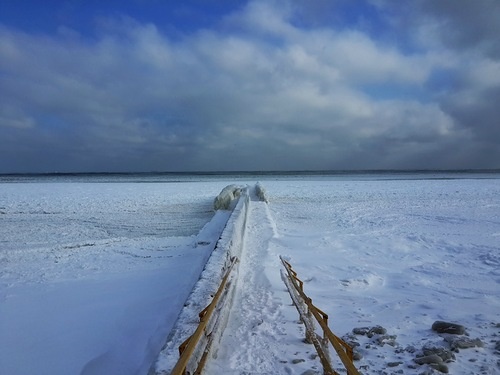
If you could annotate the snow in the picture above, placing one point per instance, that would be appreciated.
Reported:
(396, 253)
(94, 276)
(229, 246)
(259, 337)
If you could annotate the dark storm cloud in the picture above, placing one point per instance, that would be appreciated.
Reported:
(467, 24)
(261, 91)
(470, 30)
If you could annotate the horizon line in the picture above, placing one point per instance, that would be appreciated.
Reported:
(257, 172)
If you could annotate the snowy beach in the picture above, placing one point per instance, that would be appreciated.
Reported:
(94, 274)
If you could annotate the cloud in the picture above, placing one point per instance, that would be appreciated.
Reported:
(466, 24)
(10, 117)
(260, 91)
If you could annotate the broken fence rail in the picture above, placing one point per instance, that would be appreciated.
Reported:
(295, 287)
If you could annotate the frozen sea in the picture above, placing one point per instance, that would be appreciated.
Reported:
(94, 269)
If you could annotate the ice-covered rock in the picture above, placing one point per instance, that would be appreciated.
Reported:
(462, 342)
(261, 193)
(369, 331)
(434, 361)
(445, 354)
(225, 198)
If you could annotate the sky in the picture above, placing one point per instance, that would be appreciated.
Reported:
(154, 85)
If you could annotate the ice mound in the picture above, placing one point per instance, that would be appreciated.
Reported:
(261, 193)
(226, 197)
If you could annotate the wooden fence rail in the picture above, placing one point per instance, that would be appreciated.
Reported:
(194, 351)
(307, 311)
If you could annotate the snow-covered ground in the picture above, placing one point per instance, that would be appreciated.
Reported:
(93, 275)
(396, 253)
(400, 254)
(92, 278)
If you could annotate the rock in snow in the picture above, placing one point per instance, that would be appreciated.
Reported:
(446, 327)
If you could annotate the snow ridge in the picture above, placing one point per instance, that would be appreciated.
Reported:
(229, 245)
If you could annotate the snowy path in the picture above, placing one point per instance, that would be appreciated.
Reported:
(262, 335)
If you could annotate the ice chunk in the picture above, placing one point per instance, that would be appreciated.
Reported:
(261, 193)
(225, 198)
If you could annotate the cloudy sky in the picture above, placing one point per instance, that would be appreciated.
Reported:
(206, 85)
